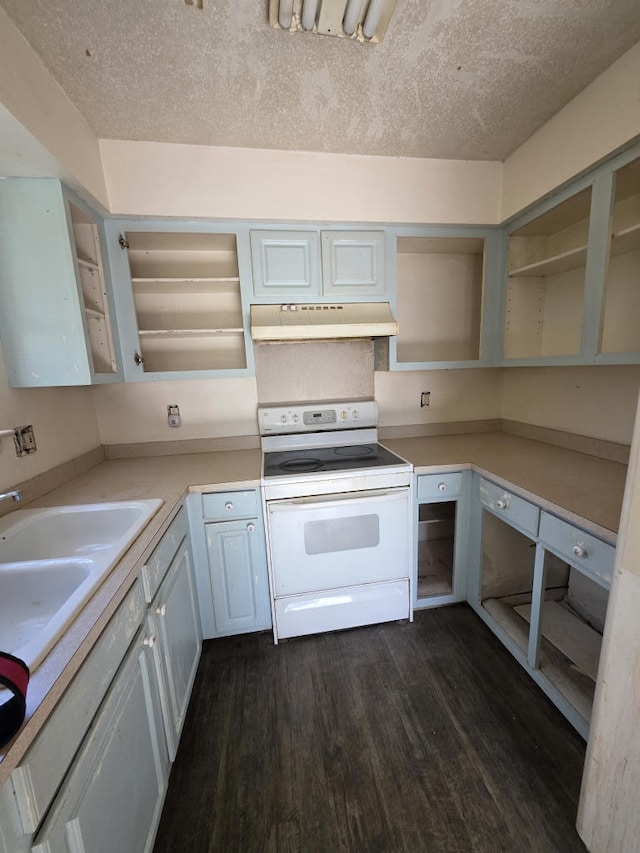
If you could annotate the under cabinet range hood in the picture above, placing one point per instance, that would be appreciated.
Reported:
(305, 321)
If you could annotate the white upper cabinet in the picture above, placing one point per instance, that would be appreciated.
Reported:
(299, 265)
(56, 313)
(180, 302)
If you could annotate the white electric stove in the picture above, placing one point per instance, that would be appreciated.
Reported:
(338, 518)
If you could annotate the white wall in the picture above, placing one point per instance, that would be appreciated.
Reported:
(31, 95)
(64, 421)
(599, 120)
(157, 179)
(216, 408)
(210, 408)
(456, 395)
(598, 401)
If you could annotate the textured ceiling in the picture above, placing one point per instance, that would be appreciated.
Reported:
(467, 79)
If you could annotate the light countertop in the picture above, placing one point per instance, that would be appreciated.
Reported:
(583, 488)
(587, 490)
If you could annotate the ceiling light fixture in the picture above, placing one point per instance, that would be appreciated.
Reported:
(365, 20)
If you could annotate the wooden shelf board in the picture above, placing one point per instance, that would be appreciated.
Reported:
(572, 259)
(569, 634)
(185, 279)
(92, 314)
(90, 265)
(626, 240)
(186, 333)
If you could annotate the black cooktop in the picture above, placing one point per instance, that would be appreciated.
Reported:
(351, 457)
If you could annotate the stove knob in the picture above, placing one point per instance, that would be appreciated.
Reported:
(295, 419)
(355, 414)
(344, 415)
(283, 419)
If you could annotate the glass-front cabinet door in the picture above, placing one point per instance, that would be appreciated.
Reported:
(545, 283)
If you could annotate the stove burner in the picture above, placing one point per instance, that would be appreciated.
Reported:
(355, 451)
(301, 465)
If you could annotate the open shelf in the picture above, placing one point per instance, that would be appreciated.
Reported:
(563, 262)
(186, 285)
(626, 240)
(436, 548)
(178, 352)
(94, 291)
(92, 314)
(575, 684)
(186, 290)
(90, 265)
(546, 280)
(440, 286)
(620, 329)
(186, 333)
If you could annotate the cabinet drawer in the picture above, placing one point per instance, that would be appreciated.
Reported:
(222, 506)
(586, 552)
(438, 486)
(515, 510)
(156, 566)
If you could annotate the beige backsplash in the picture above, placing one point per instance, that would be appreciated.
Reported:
(314, 370)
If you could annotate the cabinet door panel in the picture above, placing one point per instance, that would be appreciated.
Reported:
(55, 320)
(238, 576)
(353, 262)
(177, 652)
(285, 263)
(113, 796)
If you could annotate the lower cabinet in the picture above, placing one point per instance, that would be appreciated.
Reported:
(112, 798)
(231, 565)
(442, 522)
(174, 632)
(541, 583)
(95, 777)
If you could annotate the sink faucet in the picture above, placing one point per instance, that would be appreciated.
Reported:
(16, 494)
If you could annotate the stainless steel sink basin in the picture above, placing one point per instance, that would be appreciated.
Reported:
(51, 562)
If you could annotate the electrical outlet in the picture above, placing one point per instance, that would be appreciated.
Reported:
(173, 415)
(24, 440)
(425, 399)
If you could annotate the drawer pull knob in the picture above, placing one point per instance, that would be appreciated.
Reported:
(579, 550)
(228, 506)
(442, 487)
(503, 503)
(162, 610)
(150, 641)
(251, 527)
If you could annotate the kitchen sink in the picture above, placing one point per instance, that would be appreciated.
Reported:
(52, 560)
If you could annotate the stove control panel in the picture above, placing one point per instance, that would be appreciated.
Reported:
(317, 417)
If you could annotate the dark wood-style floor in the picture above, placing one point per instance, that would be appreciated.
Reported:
(400, 737)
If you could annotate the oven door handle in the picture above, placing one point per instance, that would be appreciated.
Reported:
(343, 498)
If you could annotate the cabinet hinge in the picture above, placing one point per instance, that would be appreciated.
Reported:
(138, 358)
(123, 242)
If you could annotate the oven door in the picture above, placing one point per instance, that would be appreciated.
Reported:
(340, 540)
